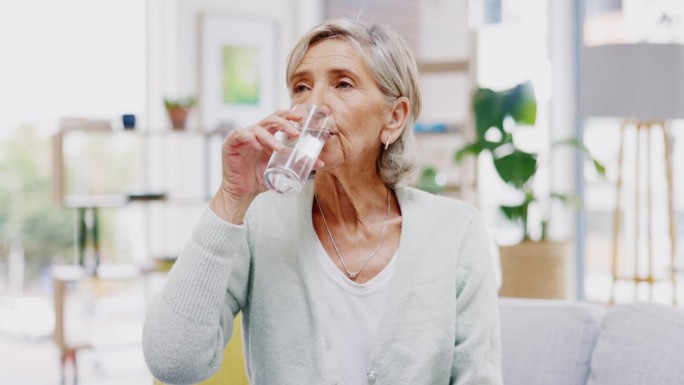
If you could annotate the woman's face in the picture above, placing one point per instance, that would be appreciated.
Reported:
(333, 75)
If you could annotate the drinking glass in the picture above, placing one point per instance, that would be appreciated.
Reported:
(289, 168)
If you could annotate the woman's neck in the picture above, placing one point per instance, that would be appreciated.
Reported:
(351, 202)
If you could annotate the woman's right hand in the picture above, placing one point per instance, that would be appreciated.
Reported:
(244, 156)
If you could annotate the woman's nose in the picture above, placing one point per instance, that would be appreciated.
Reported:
(317, 96)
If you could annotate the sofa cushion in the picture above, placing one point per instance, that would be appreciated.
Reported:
(640, 343)
(547, 341)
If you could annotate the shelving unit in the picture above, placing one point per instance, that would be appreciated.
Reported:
(164, 174)
(438, 148)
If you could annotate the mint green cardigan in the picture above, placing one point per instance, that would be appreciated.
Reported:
(440, 326)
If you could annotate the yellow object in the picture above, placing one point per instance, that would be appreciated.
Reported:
(232, 370)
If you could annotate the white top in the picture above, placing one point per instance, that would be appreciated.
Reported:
(355, 311)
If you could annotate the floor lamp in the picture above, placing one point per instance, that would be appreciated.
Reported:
(644, 85)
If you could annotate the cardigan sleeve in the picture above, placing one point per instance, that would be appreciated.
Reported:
(189, 322)
(477, 349)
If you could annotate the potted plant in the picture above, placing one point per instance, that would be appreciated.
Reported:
(536, 266)
(178, 110)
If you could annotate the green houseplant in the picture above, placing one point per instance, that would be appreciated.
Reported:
(178, 110)
(497, 116)
(534, 267)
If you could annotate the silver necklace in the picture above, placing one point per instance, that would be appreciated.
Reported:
(354, 274)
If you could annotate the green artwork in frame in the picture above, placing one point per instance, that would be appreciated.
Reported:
(237, 74)
(240, 83)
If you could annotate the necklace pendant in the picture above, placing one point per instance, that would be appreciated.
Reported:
(353, 275)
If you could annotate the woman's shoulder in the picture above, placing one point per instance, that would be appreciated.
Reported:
(433, 203)
(269, 207)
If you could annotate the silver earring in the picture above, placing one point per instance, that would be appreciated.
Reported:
(386, 145)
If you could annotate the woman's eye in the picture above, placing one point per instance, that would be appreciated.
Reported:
(344, 84)
(298, 89)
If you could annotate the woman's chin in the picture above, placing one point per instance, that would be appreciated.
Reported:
(329, 155)
(329, 165)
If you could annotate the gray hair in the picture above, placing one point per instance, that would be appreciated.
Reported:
(393, 66)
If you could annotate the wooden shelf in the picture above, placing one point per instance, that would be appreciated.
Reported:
(444, 66)
(114, 200)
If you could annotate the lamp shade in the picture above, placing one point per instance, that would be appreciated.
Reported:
(643, 81)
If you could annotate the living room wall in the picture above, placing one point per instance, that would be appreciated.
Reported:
(173, 37)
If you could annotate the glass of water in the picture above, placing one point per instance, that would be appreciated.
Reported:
(289, 168)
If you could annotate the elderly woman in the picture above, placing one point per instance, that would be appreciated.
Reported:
(359, 279)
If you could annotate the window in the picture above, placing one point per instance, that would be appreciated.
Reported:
(59, 58)
(615, 22)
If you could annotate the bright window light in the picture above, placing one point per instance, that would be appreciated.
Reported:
(71, 58)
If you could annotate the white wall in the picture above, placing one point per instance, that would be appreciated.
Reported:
(563, 123)
(563, 109)
(173, 29)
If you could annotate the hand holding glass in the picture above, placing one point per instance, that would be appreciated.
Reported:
(289, 168)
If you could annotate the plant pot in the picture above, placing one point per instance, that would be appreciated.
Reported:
(534, 270)
(178, 116)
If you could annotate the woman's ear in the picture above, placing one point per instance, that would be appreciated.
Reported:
(399, 115)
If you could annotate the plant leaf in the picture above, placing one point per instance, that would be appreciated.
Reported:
(599, 167)
(522, 104)
(574, 142)
(514, 213)
(490, 111)
(568, 199)
(516, 168)
(428, 180)
(471, 149)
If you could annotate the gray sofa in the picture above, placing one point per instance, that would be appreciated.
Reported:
(548, 342)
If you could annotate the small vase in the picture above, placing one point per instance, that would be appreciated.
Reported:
(178, 116)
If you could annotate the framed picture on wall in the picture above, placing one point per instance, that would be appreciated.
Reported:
(237, 70)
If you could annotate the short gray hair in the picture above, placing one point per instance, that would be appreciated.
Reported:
(391, 63)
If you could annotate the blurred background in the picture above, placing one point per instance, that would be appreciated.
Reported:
(112, 114)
